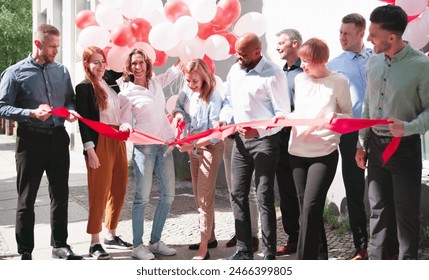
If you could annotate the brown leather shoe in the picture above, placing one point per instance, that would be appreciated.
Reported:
(360, 254)
(287, 249)
(232, 242)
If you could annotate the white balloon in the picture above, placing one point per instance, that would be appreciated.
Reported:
(174, 51)
(108, 16)
(150, 52)
(425, 21)
(185, 28)
(191, 49)
(415, 34)
(109, 2)
(203, 10)
(157, 16)
(216, 47)
(130, 8)
(251, 22)
(148, 7)
(412, 7)
(116, 58)
(94, 36)
(219, 85)
(161, 37)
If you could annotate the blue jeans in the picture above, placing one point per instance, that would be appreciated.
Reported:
(146, 160)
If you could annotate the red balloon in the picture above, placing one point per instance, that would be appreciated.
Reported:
(122, 36)
(84, 19)
(210, 64)
(231, 38)
(229, 12)
(161, 58)
(205, 30)
(140, 29)
(391, 2)
(174, 9)
(410, 18)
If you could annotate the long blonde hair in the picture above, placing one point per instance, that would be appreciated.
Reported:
(100, 94)
(209, 81)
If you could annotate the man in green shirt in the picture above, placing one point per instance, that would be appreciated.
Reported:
(397, 90)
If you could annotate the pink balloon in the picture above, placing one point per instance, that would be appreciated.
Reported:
(122, 35)
(228, 13)
(140, 29)
(205, 30)
(176, 8)
(171, 103)
(161, 58)
(85, 18)
(210, 64)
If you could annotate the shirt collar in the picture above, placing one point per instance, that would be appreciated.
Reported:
(364, 52)
(401, 54)
(258, 68)
(294, 66)
(34, 62)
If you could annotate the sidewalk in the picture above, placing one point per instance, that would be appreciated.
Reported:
(180, 229)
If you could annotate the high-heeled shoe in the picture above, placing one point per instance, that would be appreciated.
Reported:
(210, 245)
(206, 257)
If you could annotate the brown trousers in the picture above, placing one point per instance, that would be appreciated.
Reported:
(204, 168)
(107, 184)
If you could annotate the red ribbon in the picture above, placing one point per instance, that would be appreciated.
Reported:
(337, 125)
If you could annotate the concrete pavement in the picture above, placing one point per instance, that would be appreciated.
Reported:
(180, 229)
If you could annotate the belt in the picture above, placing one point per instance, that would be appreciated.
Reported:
(49, 131)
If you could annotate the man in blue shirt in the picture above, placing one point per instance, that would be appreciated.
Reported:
(352, 63)
(288, 43)
(28, 91)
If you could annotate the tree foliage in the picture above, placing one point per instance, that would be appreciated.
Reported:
(15, 31)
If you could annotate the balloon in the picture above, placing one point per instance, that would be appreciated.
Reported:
(425, 21)
(148, 7)
(94, 36)
(210, 64)
(171, 103)
(157, 16)
(216, 47)
(176, 8)
(116, 58)
(251, 22)
(140, 29)
(108, 16)
(174, 52)
(218, 21)
(161, 37)
(203, 10)
(161, 58)
(228, 13)
(185, 28)
(415, 34)
(84, 19)
(191, 49)
(219, 85)
(130, 8)
(150, 52)
(231, 38)
(412, 7)
(122, 36)
(205, 30)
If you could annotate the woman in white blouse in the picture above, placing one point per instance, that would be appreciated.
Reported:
(319, 93)
(142, 100)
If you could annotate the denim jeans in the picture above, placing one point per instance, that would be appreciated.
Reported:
(146, 160)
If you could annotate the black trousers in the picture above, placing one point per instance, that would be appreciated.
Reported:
(37, 153)
(289, 205)
(394, 196)
(313, 177)
(354, 183)
(259, 156)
